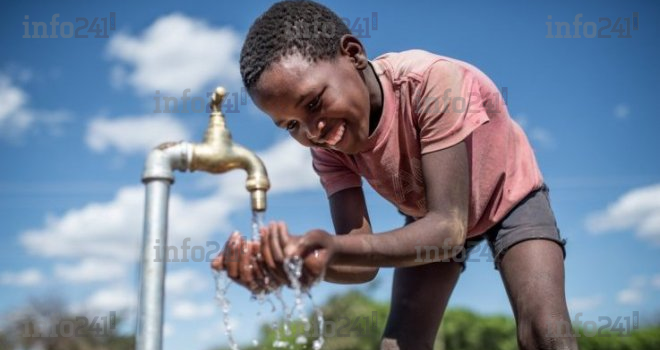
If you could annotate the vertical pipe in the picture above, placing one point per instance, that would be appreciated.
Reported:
(154, 258)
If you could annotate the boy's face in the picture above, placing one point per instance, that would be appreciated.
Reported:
(322, 104)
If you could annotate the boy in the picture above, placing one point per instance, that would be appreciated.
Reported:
(431, 135)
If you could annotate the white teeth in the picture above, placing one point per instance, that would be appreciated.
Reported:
(337, 136)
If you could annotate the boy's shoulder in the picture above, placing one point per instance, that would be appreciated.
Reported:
(409, 63)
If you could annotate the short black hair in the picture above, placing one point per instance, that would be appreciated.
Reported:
(288, 27)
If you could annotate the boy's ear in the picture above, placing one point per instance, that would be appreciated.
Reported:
(351, 47)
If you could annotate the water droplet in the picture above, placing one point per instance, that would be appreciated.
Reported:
(301, 340)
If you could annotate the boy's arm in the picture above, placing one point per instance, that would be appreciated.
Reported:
(447, 181)
(443, 229)
(350, 217)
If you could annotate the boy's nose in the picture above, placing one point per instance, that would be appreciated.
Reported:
(315, 130)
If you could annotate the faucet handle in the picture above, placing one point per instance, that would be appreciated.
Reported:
(216, 99)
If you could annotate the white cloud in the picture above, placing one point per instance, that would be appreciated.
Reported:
(537, 135)
(77, 233)
(585, 303)
(134, 134)
(638, 210)
(116, 298)
(188, 310)
(185, 281)
(655, 281)
(91, 270)
(630, 296)
(634, 294)
(621, 111)
(16, 118)
(25, 278)
(177, 52)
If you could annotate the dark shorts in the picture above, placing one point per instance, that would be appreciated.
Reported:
(532, 218)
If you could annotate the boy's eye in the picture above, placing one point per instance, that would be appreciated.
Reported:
(315, 103)
(291, 125)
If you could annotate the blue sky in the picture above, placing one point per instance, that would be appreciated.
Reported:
(77, 119)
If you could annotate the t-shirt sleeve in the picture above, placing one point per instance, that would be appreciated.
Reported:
(334, 174)
(449, 106)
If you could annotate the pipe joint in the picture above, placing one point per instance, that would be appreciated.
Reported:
(165, 158)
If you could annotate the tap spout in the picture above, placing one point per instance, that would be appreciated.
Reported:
(218, 154)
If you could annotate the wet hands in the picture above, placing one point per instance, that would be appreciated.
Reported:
(259, 265)
(240, 258)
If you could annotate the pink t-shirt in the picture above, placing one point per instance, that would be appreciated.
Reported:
(418, 118)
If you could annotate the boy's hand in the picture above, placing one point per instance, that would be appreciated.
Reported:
(314, 248)
(240, 258)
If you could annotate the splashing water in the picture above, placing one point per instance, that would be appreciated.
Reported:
(222, 283)
(318, 343)
(293, 268)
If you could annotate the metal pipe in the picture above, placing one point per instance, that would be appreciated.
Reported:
(154, 245)
(157, 177)
(217, 154)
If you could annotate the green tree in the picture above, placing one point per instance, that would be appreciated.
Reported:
(461, 329)
(647, 338)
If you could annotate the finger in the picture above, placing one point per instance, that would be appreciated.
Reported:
(314, 267)
(298, 249)
(246, 270)
(232, 253)
(216, 264)
(278, 254)
(265, 248)
(284, 237)
(274, 267)
(267, 256)
(309, 242)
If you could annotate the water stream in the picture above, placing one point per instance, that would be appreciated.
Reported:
(293, 268)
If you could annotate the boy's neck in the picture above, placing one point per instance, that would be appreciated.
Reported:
(375, 98)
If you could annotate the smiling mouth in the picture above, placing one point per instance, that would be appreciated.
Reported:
(334, 136)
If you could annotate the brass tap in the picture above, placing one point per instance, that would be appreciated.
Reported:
(218, 154)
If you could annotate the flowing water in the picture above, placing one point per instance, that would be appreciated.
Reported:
(293, 268)
(222, 282)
